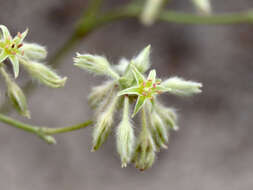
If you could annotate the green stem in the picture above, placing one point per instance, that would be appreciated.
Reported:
(126, 108)
(43, 132)
(52, 131)
(144, 119)
(187, 18)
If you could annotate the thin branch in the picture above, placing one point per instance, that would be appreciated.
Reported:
(52, 131)
(43, 132)
(225, 18)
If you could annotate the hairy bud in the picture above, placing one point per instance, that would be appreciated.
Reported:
(125, 136)
(181, 87)
(34, 51)
(159, 131)
(144, 155)
(95, 64)
(103, 125)
(15, 94)
(168, 115)
(44, 74)
(98, 93)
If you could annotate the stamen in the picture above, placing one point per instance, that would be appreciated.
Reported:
(12, 46)
(159, 82)
(144, 93)
(144, 84)
(20, 45)
(154, 85)
(7, 46)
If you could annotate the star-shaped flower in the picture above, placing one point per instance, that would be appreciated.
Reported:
(11, 47)
(145, 89)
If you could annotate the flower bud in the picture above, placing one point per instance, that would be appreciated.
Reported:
(158, 130)
(95, 64)
(121, 67)
(34, 51)
(15, 94)
(98, 93)
(103, 125)
(150, 12)
(142, 61)
(49, 139)
(44, 74)
(18, 98)
(181, 87)
(203, 6)
(125, 136)
(168, 115)
(144, 155)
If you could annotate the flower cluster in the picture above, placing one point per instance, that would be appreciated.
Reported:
(29, 55)
(129, 85)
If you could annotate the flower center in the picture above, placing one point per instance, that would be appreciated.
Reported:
(13, 46)
(149, 89)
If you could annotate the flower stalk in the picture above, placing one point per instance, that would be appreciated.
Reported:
(45, 133)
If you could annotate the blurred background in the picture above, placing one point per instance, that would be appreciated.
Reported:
(211, 151)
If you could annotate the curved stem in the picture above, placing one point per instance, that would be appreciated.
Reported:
(52, 131)
(43, 132)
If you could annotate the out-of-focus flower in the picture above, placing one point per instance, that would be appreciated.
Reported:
(203, 6)
(150, 11)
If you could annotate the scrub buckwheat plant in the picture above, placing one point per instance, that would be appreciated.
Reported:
(128, 84)
(129, 99)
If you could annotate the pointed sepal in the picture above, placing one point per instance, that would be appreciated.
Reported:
(139, 104)
(138, 76)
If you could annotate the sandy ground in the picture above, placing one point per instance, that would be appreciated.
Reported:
(211, 151)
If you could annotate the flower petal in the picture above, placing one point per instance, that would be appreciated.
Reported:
(15, 65)
(152, 75)
(5, 31)
(139, 103)
(132, 90)
(138, 76)
(3, 56)
(20, 37)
